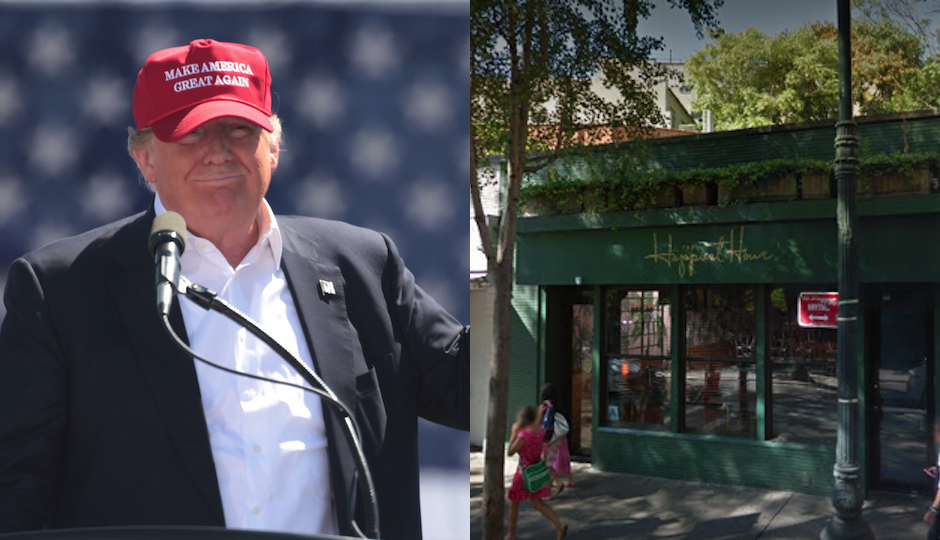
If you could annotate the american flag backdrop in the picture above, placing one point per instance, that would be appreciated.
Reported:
(374, 99)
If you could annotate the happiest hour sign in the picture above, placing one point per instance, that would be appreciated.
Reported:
(818, 309)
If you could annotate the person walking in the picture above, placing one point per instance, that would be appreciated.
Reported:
(556, 452)
(930, 516)
(532, 480)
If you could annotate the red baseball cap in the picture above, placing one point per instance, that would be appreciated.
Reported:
(181, 88)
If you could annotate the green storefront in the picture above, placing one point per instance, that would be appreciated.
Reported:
(672, 336)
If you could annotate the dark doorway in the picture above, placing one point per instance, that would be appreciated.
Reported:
(569, 359)
(901, 372)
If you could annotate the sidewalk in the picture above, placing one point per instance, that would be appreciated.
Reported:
(607, 505)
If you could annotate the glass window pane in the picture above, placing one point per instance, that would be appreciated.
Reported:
(637, 345)
(804, 382)
(721, 382)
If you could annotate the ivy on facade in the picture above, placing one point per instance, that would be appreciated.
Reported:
(602, 184)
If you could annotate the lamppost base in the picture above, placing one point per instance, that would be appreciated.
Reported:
(847, 530)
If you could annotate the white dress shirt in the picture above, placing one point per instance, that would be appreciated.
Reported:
(268, 440)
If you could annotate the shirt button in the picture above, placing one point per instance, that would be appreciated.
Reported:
(201, 245)
(255, 510)
(250, 394)
(256, 449)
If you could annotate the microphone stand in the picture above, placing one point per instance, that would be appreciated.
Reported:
(208, 299)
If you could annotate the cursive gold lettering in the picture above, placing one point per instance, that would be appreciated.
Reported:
(725, 250)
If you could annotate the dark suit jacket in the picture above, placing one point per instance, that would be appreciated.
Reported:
(101, 422)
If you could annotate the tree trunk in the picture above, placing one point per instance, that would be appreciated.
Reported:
(494, 459)
(494, 502)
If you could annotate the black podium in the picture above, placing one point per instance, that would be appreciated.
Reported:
(161, 533)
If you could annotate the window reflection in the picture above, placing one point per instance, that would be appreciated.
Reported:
(637, 357)
(804, 382)
(721, 383)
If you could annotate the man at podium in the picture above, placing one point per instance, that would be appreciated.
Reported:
(105, 422)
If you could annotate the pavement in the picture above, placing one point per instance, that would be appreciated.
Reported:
(607, 505)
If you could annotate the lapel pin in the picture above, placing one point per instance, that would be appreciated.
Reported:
(326, 287)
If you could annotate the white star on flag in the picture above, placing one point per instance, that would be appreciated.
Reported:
(439, 289)
(427, 204)
(428, 106)
(463, 150)
(106, 197)
(50, 50)
(9, 99)
(48, 232)
(321, 195)
(272, 42)
(374, 152)
(374, 52)
(156, 36)
(53, 149)
(463, 59)
(13, 199)
(3, 286)
(106, 99)
(320, 100)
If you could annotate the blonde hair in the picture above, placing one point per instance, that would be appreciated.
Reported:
(137, 140)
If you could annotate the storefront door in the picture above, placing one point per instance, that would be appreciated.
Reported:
(569, 342)
(901, 375)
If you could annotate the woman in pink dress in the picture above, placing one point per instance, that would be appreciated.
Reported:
(556, 452)
(526, 440)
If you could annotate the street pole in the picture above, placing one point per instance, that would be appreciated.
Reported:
(847, 498)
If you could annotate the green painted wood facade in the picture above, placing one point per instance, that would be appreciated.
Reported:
(901, 133)
(754, 244)
(789, 242)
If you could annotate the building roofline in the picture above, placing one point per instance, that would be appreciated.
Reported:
(688, 136)
(799, 126)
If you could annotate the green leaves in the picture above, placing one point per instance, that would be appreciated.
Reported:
(599, 189)
(895, 163)
(749, 79)
(535, 67)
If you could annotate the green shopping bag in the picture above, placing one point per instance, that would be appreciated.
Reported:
(536, 476)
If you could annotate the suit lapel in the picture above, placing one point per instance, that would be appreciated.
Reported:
(326, 328)
(170, 372)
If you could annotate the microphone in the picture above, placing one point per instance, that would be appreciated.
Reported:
(167, 243)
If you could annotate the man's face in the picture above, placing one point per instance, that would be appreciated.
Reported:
(213, 176)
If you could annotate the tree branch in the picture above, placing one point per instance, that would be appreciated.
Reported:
(479, 214)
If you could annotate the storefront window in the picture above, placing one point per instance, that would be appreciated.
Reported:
(637, 347)
(804, 382)
(721, 383)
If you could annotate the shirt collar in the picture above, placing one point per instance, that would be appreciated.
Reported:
(266, 221)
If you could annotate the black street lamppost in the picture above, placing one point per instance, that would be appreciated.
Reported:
(847, 498)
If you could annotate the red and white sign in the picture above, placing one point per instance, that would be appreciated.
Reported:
(818, 309)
